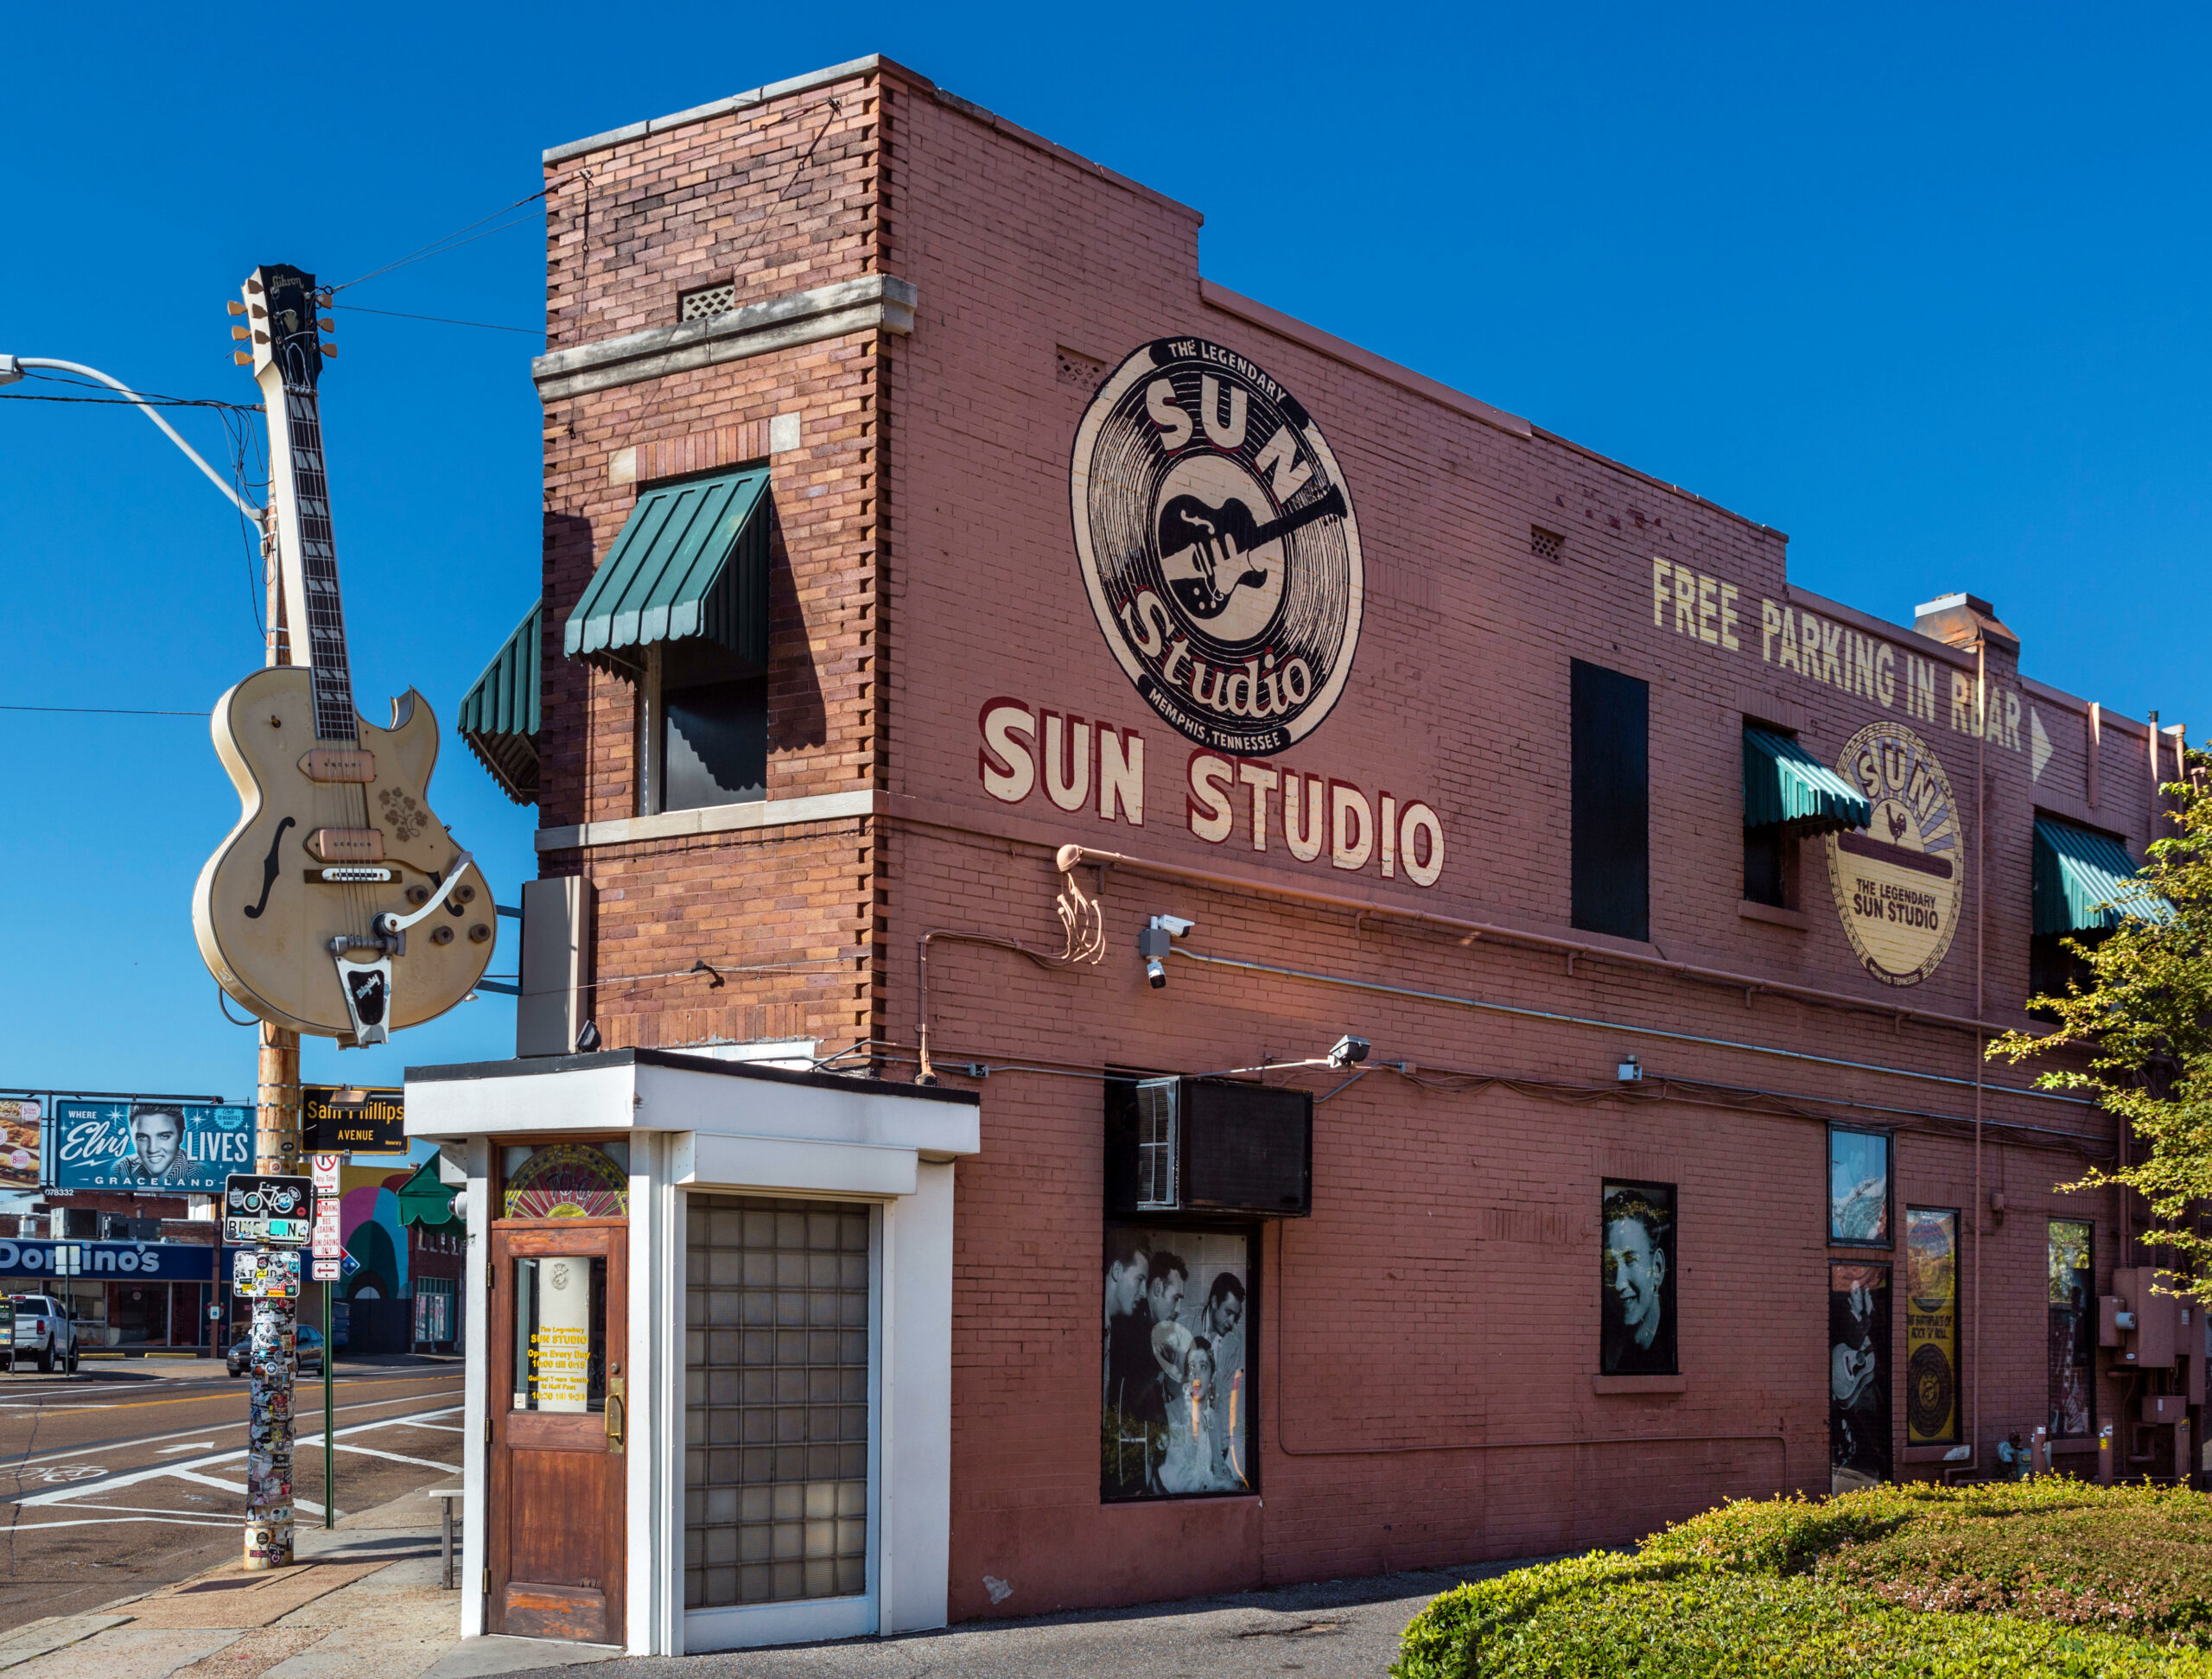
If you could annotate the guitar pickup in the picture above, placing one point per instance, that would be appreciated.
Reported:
(351, 873)
(344, 845)
(355, 764)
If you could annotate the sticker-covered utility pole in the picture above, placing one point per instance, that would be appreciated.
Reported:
(268, 1211)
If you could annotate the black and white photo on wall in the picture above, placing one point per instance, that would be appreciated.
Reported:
(1637, 1296)
(1177, 1415)
(1859, 1188)
(1858, 1376)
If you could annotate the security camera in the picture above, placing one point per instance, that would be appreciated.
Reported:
(1348, 1051)
(1155, 971)
(1173, 925)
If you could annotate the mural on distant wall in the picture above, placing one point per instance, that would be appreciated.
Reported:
(369, 1228)
(1218, 545)
(1899, 885)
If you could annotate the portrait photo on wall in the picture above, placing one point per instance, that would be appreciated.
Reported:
(1858, 1376)
(1637, 1296)
(1176, 1414)
(1859, 1188)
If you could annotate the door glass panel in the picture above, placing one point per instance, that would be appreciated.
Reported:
(776, 1414)
(560, 1334)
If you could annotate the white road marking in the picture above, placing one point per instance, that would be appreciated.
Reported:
(120, 1521)
(187, 1469)
(189, 1445)
(371, 1452)
(358, 1405)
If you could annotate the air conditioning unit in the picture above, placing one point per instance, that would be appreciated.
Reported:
(1210, 1145)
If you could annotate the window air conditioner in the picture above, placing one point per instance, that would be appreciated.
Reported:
(1210, 1146)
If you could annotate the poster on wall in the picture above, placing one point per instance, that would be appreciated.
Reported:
(169, 1148)
(1218, 545)
(1636, 1292)
(1177, 1417)
(1898, 882)
(1931, 1326)
(19, 1120)
(2072, 1331)
(1858, 1188)
(1858, 1376)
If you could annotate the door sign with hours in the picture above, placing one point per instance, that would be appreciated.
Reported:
(267, 1209)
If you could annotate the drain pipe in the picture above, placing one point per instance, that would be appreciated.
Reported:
(1980, 929)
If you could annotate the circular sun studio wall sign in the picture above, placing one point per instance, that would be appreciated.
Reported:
(1218, 545)
(1899, 884)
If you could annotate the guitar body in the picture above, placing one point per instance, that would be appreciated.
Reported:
(264, 911)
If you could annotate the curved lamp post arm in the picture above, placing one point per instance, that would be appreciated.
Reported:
(11, 370)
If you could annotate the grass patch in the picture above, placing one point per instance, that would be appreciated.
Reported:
(2052, 1578)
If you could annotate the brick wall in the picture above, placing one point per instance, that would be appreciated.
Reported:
(1424, 1343)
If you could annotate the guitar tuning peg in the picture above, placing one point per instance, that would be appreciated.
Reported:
(240, 333)
(327, 324)
(329, 349)
(244, 358)
(236, 307)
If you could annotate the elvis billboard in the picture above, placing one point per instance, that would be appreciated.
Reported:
(161, 1147)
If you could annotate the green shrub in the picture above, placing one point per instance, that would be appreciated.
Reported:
(2048, 1577)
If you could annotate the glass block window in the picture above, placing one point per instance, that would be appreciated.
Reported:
(776, 1412)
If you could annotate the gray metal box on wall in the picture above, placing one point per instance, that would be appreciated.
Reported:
(553, 971)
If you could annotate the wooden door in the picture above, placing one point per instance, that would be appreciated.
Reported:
(559, 1415)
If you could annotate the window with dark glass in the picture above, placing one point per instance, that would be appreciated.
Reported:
(2073, 1327)
(1610, 841)
(707, 722)
(1859, 1188)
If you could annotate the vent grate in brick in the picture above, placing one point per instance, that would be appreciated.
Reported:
(1079, 369)
(708, 300)
(1546, 544)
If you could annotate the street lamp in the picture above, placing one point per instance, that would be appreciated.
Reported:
(12, 371)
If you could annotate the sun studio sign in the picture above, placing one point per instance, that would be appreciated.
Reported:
(1218, 545)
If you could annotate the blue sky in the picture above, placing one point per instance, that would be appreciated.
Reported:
(1925, 291)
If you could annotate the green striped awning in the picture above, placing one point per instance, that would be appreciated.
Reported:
(692, 560)
(2086, 882)
(498, 715)
(1786, 785)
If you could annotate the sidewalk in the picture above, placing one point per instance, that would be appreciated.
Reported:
(364, 1602)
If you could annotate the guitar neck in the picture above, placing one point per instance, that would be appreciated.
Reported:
(323, 610)
(1327, 507)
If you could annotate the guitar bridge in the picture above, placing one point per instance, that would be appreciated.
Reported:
(352, 874)
(339, 845)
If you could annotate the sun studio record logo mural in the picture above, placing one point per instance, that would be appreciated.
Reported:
(1218, 545)
(1898, 884)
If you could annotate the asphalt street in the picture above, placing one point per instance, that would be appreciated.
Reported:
(131, 1475)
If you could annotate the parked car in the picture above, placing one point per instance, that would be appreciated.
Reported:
(308, 1352)
(43, 1327)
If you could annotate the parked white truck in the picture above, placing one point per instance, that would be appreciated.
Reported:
(45, 1330)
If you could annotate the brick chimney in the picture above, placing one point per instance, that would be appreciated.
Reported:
(1958, 620)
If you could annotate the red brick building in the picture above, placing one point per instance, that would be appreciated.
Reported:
(915, 512)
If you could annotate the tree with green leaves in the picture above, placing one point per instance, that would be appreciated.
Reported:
(2140, 1007)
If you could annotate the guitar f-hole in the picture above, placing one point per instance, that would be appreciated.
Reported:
(268, 871)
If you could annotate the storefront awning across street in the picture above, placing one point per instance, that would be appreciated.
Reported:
(498, 715)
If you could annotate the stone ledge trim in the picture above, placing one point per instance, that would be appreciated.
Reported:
(713, 819)
(871, 301)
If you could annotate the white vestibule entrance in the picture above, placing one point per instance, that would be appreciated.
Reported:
(762, 1419)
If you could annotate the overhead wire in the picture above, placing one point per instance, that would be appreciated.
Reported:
(442, 319)
(452, 241)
